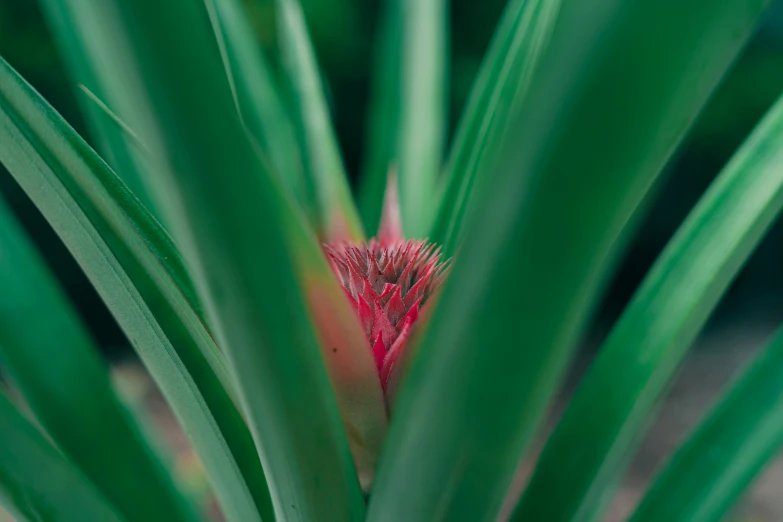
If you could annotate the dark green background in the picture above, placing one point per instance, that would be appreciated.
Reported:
(343, 33)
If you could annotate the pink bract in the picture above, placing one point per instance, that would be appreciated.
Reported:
(387, 286)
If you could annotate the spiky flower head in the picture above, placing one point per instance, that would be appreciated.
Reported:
(387, 286)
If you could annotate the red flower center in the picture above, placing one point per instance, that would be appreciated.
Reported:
(387, 286)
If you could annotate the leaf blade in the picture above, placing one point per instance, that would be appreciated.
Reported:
(233, 228)
(651, 338)
(513, 282)
(123, 154)
(256, 94)
(383, 118)
(505, 72)
(728, 449)
(59, 372)
(118, 245)
(72, 28)
(32, 475)
(336, 212)
(421, 131)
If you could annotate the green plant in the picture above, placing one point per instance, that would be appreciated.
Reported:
(245, 328)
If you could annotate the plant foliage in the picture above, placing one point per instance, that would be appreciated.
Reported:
(202, 232)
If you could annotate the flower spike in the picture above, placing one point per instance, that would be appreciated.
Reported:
(387, 282)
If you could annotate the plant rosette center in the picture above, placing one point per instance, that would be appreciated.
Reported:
(387, 286)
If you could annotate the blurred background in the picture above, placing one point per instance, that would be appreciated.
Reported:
(343, 32)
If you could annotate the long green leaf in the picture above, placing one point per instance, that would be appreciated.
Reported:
(256, 95)
(37, 482)
(406, 125)
(232, 218)
(383, 117)
(59, 371)
(113, 141)
(125, 253)
(351, 367)
(587, 146)
(337, 218)
(520, 39)
(585, 455)
(720, 460)
(422, 106)
(73, 27)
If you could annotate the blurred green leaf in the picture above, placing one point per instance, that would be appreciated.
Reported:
(407, 119)
(351, 368)
(586, 454)
(232, 218)
(256, 95)
(61, 376)
(601, 117)
(132, 264)
(383, 116)
(37, 482)
(741, 434)
(422, 109)
(338, 219)
(71, 28)
(502, 81)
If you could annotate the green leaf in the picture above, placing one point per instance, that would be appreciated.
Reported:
(383, 117)
(422, 107)
(586, 454)
(255, 93)
(494, 101)
(86, 43)
(133, 266)
(337, 216)
(417, 133)
(588, 144)
(37, 482)
(233, 220)
(741, 434)
(125, 156)
(62, 378)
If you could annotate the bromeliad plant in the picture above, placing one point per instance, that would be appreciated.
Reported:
(323, 371)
